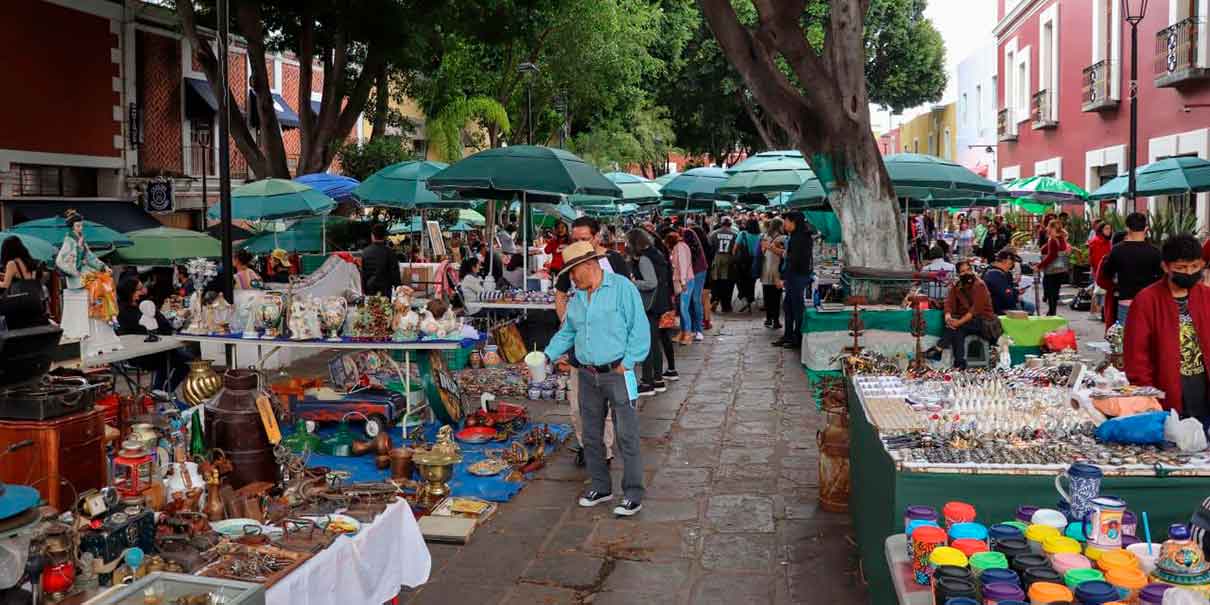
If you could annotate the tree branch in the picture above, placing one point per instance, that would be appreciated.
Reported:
(306, 60)
(240, 133)
(756, 121)
(249, 17)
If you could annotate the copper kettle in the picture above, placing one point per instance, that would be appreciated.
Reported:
(379, 445)
(401, 463)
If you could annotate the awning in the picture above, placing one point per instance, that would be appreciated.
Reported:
(286, 116)
(200, 102)
(315, 103)
(117, 214)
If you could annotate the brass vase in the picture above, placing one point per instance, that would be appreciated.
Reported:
(201, 383)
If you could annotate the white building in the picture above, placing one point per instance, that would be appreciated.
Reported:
(977, 112)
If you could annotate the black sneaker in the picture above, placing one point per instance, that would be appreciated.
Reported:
(592, 498)
(671, 375)
(580, 457)
(627, 508)
(778, 343)
(660, 386)
(932, 354)
(646, 389)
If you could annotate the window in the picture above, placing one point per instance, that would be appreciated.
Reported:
(915, 145)
(1010, 92)
(945, 145)
(979, 108)
(1048, 62)
(964, 109)
(931, 150)
(57, 181)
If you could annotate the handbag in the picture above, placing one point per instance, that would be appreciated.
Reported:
(669, 320)
(989, 329)
(23, 305)
(1061, 264)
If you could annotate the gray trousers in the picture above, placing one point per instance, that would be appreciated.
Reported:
(598, 394)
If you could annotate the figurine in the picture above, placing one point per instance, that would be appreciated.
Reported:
(405, 321)
(148, 321)
(89, 301)
(249, 313)
(304, 319)
(428, 324)
(445, 442)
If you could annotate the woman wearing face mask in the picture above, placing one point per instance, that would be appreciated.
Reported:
(968, 306)
(1167, 337)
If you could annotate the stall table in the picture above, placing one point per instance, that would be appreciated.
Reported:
(133, 346)
(882, 487)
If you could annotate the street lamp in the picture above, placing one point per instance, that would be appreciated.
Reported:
(530, 70)
(202, 135)
(1134, 11)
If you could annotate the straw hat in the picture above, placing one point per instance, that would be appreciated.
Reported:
(281, 255)
(577, 253)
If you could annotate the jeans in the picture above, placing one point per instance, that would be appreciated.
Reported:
(1051, 283)
(955, 339)
(1123, 309)
(795, 306)
(691, 304)
(723, 292)
(577, 425)
(1028, 307)
(600, 393)
(653, 366)
(772, 304)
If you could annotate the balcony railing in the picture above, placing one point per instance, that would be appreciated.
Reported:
(197, 153)
(1176, 52)
(1006, 126)
(1041, 110)
(1099, 94)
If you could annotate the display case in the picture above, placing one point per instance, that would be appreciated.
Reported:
(161, 588)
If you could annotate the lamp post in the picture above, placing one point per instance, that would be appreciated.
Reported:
(530, 70)
(1134, 11)
(202, 136)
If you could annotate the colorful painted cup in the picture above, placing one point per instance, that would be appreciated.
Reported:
(1130, 524)
(1103, 522)
(925, 540)
(911, 527)
(1083, 484)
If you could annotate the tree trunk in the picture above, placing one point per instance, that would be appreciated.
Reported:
(306, 60)
(240, 134)
(829, 121)
(382, 103)
(249, 17)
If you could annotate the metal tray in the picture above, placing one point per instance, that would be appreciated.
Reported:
(174, 585)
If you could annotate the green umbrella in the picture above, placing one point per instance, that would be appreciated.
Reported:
(471, 217)
(167, 246)
(792, 155)
(696, 184)
(918, 176)
(771, 176)
(404, 185)
(1045, 189)
(38, 248)
(611, 210)
(664, 180)
(723, 206)
(674, 206)
(1032, 207)
(826, 224)
(54, 229)
(272, 199)
(543, 174)
(810, 194)
(412, 226)
(460, 227)
(310, 235)
(635, 189)
(1168, 176)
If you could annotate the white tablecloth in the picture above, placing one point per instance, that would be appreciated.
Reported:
(367, 569)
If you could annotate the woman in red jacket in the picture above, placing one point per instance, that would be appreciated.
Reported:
(1167, 336)
(1098, 249)
(1055, 265)
(555, 245)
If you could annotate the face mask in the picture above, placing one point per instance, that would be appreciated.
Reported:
(967, 279)
(1185, 280)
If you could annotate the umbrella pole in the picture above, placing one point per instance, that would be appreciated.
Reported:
(323, 236)
(525, 241)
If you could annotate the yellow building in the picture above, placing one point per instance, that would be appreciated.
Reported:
(934, 132)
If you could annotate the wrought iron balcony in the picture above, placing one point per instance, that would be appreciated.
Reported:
(1099, 92)
(1042, 110)
(1176, 53)
(1006, 126)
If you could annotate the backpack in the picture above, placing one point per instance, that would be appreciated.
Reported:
(741, 255)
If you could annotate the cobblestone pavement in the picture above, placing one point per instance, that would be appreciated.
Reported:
(730, 514)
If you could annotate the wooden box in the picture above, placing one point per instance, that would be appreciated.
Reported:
(68, 452)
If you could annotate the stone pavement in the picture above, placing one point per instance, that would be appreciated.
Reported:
(730, 515)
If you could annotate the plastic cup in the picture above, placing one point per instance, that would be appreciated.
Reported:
(536, 362)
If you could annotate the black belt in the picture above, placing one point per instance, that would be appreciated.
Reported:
(604, 369)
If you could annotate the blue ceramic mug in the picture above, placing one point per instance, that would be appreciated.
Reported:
(1083, 484)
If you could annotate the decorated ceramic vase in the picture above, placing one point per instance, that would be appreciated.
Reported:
(332, 313)
(1182, 562)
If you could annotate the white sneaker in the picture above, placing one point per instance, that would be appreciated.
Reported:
(698, 337)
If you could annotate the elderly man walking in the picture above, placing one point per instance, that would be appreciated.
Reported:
(606, 322)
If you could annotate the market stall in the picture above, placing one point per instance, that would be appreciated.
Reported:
(965, 438)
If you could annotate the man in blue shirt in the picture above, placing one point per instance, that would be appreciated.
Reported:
(1000, 282)
(607, 324)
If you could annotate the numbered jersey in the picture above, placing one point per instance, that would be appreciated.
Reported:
(726, 241)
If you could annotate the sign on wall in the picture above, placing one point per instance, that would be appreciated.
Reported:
(159, 196)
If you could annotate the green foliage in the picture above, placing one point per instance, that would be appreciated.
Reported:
(1161, 224)
(446, 128)
(1078, 228)
(645, 141)
(360, 161)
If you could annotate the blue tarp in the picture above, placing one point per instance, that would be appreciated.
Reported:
(463, 484)
(335, 186)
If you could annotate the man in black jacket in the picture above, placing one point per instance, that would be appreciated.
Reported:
(379, 265)
(798, 265)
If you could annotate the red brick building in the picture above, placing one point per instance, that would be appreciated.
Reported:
(116, 98)
(1063, 93)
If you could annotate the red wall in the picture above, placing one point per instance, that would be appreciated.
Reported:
(1161, 110)
(59, 96)
(161, 101)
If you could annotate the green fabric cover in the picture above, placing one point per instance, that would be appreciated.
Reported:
(880, 494)
(1029, 332)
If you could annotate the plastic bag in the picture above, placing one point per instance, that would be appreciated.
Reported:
(1140, 429)
(1189, 435)
(1181, 596)
(1059, 340)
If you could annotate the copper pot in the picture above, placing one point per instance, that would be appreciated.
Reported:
(382, 462)
(361, 448)
(401, 463)
(379, 445)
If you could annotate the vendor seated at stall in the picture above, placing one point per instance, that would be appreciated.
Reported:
(1006, 296)
(514, 273)
(967, 306)
(277, 267)
(169, 368)
(470, 282)
(245, 278)
(1168, 335)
